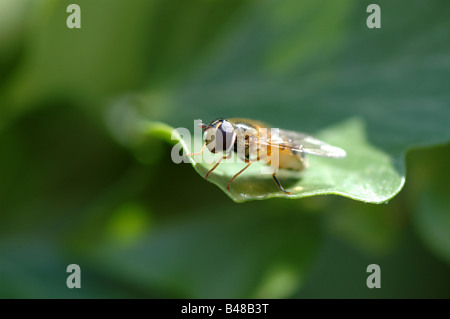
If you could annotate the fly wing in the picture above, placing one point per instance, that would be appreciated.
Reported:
(300, 143)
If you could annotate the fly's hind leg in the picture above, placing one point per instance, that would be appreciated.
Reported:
(278, 182)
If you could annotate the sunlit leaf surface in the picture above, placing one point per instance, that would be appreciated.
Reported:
(365, 174)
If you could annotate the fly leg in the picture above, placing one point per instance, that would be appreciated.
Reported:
(217, 164)
(229, 183)
(214, 167)
(278, 182)
(198, 153)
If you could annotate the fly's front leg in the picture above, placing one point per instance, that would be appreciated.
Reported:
(198, 153)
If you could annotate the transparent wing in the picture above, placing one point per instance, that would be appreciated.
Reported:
(299, 143)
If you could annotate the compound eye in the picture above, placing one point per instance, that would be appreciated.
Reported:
(220, 136)
(226, 130)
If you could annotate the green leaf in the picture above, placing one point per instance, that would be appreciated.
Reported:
(264, 71)
(325, 68)
(366, 174)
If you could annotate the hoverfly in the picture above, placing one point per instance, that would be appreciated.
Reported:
(255, 141)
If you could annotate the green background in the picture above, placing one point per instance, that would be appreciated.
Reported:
(78, 187)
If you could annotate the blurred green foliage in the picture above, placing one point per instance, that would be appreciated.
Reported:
(76, 187)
